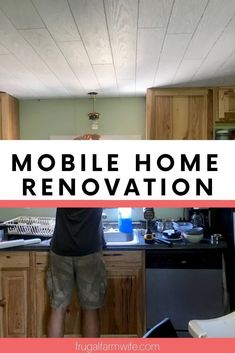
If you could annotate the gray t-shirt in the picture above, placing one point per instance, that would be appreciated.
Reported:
(78, 231)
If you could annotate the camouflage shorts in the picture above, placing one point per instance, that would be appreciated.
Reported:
(87, 273)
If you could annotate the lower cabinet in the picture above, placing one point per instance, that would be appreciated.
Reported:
(123, 313)
(15, 295)
(24, 302)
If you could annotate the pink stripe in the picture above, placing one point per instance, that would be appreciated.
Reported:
(110, 345)
(116, 203)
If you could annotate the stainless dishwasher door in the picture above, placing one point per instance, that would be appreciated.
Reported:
(181, 292)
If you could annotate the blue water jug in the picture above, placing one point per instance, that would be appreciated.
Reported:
(125, 220)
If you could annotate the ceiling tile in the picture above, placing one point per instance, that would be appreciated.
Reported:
(44, 45)
(217, 15)
(186, 15)
(58, 19)
(122, 26)
(219, 53)
(150, 41)
(171, 56)
(106, 78)
(21, 13)
(92, 26)
(78, 60)
(154, 13)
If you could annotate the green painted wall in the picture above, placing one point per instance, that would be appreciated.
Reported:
(40, 119)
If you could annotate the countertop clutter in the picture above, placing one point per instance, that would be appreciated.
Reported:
(181, 244)
(34, 233)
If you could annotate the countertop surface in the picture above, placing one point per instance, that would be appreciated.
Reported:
(177, 245)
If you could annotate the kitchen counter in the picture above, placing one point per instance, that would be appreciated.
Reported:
(25, 268)
(178, 245)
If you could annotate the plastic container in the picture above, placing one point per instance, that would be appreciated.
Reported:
(196, 220)
(125, 220)
(222, 135)
(2, 231)
(182, 226)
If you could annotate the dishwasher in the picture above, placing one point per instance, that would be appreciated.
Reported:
(183, 285)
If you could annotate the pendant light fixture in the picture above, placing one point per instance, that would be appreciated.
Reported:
(94, 116)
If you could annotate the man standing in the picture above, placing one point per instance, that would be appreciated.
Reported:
(76, 260)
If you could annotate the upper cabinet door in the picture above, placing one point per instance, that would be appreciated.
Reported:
(226, 105)
(9, 117)
(179, 114)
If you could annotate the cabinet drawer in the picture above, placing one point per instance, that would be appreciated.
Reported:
(41, 259)
(120, 259)
(14, 259)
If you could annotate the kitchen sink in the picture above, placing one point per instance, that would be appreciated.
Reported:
(114, 237)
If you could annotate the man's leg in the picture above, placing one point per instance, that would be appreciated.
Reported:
(60, 282)
(91, 286)
(56, 322)
(90, 323)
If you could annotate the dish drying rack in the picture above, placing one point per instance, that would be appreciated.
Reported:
(38, 226)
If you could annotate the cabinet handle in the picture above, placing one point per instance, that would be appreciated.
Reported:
(2, 302)
(111, 255)
(183, 262)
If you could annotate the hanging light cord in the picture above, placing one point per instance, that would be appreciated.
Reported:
(93, 115)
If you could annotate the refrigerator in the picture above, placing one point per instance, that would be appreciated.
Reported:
(222, 221)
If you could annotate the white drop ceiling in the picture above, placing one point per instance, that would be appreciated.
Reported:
(67, 48)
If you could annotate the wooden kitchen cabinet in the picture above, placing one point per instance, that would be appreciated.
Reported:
(226, 104)
(15, 295)
(123, 313)
(24, 301)
(9, 117)
(179, 114)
